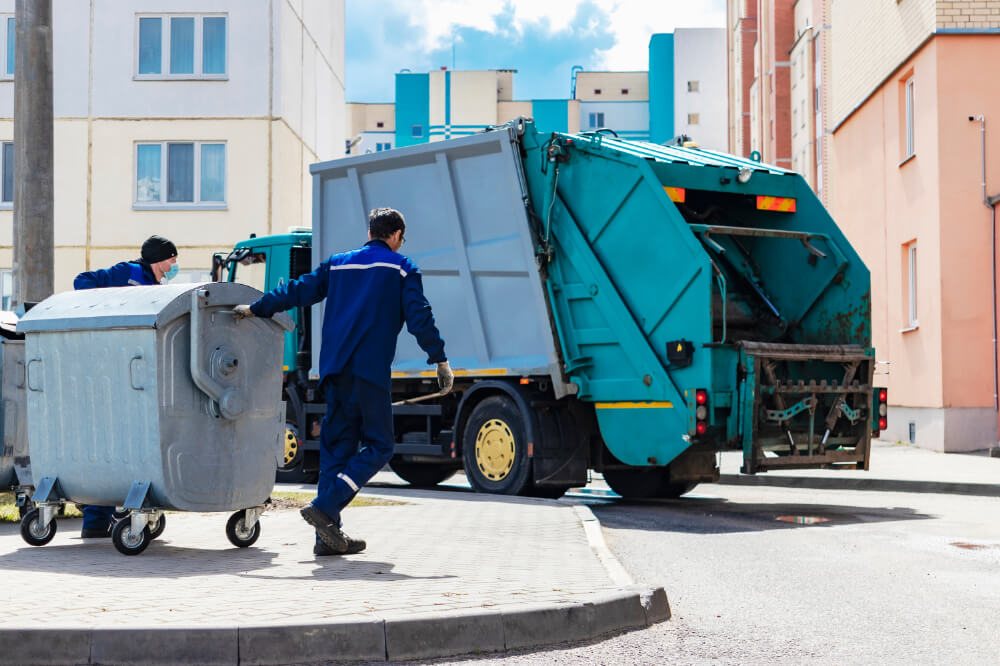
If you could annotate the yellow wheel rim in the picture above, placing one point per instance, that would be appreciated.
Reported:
(291, 446)
(495, 450)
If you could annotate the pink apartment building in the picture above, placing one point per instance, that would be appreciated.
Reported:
(900, 164)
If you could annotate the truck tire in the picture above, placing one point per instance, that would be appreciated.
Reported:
(421, 475)
(495, 448)
(674, 489)
(290, 470)
(637, 482)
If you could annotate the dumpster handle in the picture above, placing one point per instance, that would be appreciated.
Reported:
(27, 375)
(280, 323)
(228, 401)
(131, 372)
(24, 376)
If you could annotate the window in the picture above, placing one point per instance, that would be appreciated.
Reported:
(180, 174)
(379, 147)
(910, 279)
(417, 131)
(596, 120)
(7, 175)
(597, 91)
(6, 288)
(908, 111)
(182, 47)
(624, 91)
(693, 119)
(694, 86)
(10, 36)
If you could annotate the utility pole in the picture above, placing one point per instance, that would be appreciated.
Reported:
(34, 242)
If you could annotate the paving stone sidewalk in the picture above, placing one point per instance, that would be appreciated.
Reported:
(430, 554)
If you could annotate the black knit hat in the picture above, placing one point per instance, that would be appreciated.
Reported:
(157, 248)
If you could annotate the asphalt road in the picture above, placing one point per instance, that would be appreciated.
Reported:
(787, 576)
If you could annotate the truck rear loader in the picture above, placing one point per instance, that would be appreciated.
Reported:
(613, 306)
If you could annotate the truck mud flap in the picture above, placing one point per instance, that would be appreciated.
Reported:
(805, 406)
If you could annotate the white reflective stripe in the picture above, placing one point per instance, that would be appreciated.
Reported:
(380, 264)
(346, 479)
(133, 282)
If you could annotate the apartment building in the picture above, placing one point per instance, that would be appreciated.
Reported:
(682, 92)
(889, 120)
(194, 120)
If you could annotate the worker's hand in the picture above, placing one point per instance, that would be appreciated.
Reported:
(446, 378)
(242, 312)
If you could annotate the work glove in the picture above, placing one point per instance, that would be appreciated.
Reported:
(242, 312)
(446, 378)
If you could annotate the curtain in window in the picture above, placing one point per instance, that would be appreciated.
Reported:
(213, 51)
(180, 172)
(147, 186)
(150, 45)
(213, 172)
(182, 45)
(11, 36)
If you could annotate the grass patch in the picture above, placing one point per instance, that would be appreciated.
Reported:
(286, 501)
(9, 514)
(283, 501)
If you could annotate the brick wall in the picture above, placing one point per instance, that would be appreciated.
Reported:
(983, 14)
(871, 39)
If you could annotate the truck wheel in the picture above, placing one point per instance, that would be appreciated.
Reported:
(290, 470)
(638, 482)
(674, 489)
(421, 474)
(495, 448)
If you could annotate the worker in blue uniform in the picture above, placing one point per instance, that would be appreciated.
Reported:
(156, 264)
(370, 292)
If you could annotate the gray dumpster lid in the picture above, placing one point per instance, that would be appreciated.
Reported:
(127, 307)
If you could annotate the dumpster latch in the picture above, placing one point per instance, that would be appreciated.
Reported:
(229, 401)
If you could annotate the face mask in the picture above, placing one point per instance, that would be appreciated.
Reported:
(171, 272)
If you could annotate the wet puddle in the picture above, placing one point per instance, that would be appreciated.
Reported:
(803, 520)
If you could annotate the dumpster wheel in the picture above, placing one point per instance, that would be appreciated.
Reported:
(32, 530)
(237, 532)
(128, 542)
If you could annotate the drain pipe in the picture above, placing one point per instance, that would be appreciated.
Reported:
(991, 203)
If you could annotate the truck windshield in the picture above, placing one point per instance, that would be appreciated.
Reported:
(252, 271)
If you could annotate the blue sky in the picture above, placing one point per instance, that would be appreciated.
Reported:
(542, 39)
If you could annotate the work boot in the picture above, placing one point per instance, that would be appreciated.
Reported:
(326, 529)
(353, 546)
(95, 532)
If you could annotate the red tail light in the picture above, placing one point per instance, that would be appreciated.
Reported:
(701, 397)
(701, 428)
(883, 395)
(882, 423)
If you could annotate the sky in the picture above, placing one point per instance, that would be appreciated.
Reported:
(542, 39)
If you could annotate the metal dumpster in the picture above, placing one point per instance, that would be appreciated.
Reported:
(153, 398)
(15, 466)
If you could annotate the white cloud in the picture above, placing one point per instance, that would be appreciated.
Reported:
(631, 21)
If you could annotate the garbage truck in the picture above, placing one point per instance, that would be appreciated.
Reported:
(609, 306)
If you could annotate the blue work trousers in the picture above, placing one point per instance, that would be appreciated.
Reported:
(97, 517)
(356, 440)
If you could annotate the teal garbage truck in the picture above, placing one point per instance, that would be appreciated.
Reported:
(613, 306)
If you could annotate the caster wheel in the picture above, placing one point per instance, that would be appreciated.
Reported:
(32, 530)
(156, 529)
(127, 542)
(119, 515)
(237, 532)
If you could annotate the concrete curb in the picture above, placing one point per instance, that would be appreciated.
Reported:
(392, 637)
(360, 637)
(882, 485)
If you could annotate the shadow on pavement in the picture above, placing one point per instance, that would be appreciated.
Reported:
(334, 567)
(717, 516)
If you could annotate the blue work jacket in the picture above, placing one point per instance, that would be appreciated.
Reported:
(124, 274)
(370, 292)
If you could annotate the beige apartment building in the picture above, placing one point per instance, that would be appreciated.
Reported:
(194, 120)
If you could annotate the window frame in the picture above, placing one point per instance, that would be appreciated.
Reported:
(6, 75)
(595, 120)
(416, 131)
(912, 286)
(163, 204)
(5, 205)
(199, 47)
(909, 119)
(696, 87)
(6, 278)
